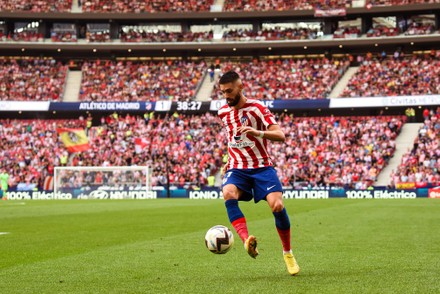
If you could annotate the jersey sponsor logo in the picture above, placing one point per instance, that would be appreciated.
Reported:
(242, 144)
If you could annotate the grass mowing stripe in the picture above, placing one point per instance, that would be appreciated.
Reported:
(9, 209)
(76, 233)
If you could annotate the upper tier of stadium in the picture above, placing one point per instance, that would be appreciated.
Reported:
(216, 33)
(101, 28)
(152, 6)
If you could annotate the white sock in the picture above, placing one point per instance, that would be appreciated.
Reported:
(287, 252)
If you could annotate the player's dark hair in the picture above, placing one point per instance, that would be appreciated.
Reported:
(229, 77)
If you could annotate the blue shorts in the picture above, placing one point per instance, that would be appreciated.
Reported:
(255, 183)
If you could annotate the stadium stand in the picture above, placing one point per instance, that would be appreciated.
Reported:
(33, 79)
(146, 6)
(347, 32)
(418, 28)
(122, 6)
(382, 31)
(271, 34)
(335, 151)
(192, 145)
(36, 6)
(399, 2)
(287, 78)
(393, 76)
(30, 149)
(99, 37)
(26, 37)
(135, 36)
(319, 151)
(258, 5)
(421, 164)
(106, 80)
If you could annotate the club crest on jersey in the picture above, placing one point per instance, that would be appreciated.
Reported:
(241, 141)
(244, 121)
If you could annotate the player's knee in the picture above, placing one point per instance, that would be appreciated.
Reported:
(230, 192)
(277, 206)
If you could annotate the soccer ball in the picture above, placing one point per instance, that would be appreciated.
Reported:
(219, 239)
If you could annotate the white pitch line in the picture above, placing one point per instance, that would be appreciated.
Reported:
(4, 233)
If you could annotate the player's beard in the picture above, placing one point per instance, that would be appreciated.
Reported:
(234, 101)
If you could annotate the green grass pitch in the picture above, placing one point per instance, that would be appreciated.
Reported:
(157, 246)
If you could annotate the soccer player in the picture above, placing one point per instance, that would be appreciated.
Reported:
(249, 172)
(4, 177)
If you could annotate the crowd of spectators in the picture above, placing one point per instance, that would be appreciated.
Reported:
(332, 151)
(30, 149)
(260, 5)
(381, 31)
(36, 6)
(396, 76)
(63, 36)
(418, 28)
(276, 33)
(26, 36)
(287, 78)
(32, 79)
(125, 6)
(347, 32)
(421, 164)
(98, 37)
(133, 35)
(192, 146)
(319, 151)
(105, 80)
(399, 2)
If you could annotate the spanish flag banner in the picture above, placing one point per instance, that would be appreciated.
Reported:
(75, 140)
(140, 144)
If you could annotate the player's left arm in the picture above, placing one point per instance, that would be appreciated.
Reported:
(273, 132)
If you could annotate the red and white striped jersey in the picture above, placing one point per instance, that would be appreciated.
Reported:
(247, 151)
